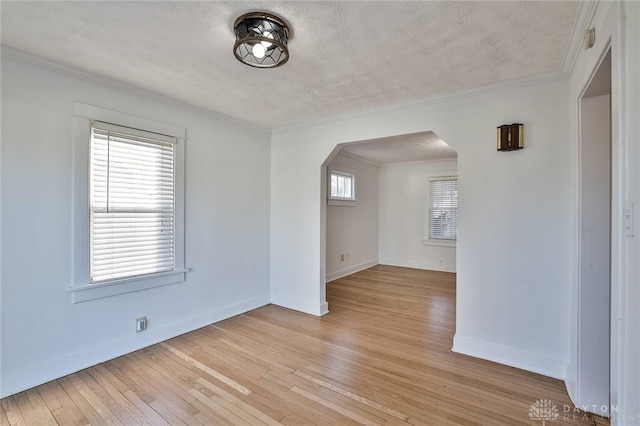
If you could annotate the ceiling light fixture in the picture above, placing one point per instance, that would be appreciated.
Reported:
(261, 40)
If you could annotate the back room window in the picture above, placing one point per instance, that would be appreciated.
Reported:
(342, 186)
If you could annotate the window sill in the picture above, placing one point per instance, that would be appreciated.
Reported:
(88, 292)
(439, 243)
(342, 203)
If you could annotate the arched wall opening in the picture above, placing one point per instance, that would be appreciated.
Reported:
(515, 243)
(391, 218)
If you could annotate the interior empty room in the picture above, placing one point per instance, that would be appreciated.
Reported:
(320, 212)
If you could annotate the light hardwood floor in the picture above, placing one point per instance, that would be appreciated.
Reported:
(382, 356)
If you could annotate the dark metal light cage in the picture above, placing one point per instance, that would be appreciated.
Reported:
(261, 40)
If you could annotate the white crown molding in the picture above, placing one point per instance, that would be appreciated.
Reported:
(18, 55)
(356, 157)
(586, 12)
(467, 93)
(431, 161)
(396, 163)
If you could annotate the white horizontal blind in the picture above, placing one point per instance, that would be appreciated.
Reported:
(341, 186)
(131, 203)
(443, 212)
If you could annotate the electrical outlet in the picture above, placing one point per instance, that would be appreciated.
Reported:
(342, 257)
(141, 324)
(441, 261)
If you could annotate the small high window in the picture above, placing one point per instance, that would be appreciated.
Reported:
(342, 186)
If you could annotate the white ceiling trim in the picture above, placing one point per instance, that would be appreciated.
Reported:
(344, 153)
(468, 93)
(46, 64)
(584, 18)
(439, 160)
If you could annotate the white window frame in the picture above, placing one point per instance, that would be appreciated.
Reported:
(342, 201)
(426, 238)
(81, 288)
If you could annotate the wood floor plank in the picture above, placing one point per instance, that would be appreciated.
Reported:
(335, 407)
(208, 370)
(169, 393)
(12, 412)
(353, 396)
(243, 406)
(101, 402)
(129, 412)
(4, 420)
(26, 409)
(81, 404)
(381, 356)
(44, 415)
(348, 405)
(232, 416)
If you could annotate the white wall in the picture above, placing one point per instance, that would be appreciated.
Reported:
(44, 335)
(352, 230)
(403, 189)
(515, 241)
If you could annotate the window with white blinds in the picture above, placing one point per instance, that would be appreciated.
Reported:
(443, 209)
(131, 199)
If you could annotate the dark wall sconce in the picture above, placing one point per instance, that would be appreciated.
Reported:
(510, 137)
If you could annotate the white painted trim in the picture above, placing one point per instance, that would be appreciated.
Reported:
(417, 264)
(88, 292)
(306, 306)
(121, 118)
(351, 270)
(49, 65)
(586, 12)
(354, 156)
(337, 202)
(476, 91)
(434, 161)
(18, 381)
(348, 173)
(324, 309)
(512, 357)
(82, 116)
(439, 243)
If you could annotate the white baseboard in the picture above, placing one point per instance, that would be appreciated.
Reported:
(324, 309)
(570, 384)
(514, 358)
(351, 270)
(27, 378)
(418, 265)
(306, 306)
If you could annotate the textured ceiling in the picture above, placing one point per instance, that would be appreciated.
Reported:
(345, 56)
(401, 149)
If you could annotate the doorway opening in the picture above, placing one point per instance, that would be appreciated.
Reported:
(388, 220)
(594, 274)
